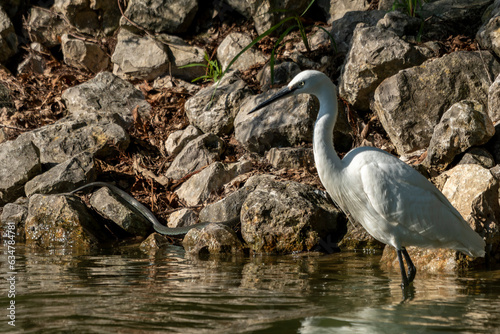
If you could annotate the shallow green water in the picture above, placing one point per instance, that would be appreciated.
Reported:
(132, 292)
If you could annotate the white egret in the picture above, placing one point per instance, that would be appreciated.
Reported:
(394, 203)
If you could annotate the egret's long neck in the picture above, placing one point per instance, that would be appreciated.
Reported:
(327, 161)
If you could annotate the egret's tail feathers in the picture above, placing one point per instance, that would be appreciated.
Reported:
(474, 245)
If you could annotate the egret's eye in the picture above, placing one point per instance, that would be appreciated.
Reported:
(301, 84)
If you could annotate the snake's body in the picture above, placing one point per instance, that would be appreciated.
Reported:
(160, 228)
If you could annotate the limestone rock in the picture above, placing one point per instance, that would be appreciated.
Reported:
(184, 54)
(112, 207)
(274, 126)
(13, 218)
(464, 125)
(214, 108)
(198, 153)
(68, 137)
(201, 186)
(336, 9)
(19, 162)
(291, 157)
(90, 16)
(357, 238)
(83, 55)
(264, 13)
(178, 139)
(478, 156)
(154, 242)
(283, 73)
(61, 221)
(138, 57)
(106, 94)
(411, 103)
(232, 45)
(8, 37)
(64, 177)
(161, 16)
(212, 239)
(494, 100)
(228, 208)
(182, 217)
(287, 217)
(46, 27)
(375, 54)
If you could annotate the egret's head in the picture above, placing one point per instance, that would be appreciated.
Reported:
(306, 82)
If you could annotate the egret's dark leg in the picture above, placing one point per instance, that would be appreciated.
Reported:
(403, 270)
(412, 270)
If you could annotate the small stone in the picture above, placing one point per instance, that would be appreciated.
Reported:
(212, 239)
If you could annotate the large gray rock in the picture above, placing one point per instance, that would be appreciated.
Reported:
(13, 219)
(106, 94)
(343, 28)
(115, 209)
(139, 57)
(167, 16)
(8, 37)
(464, 125)
(212, 239)
(90, 17)
(444, 17)
(64, 177)
(201, 186)
(182, 217)
(264, 13)
(46, 27)
(197, 154)
(336, 9)
(232, 45)
(286, 217)
(19, 162)
(494, 101)
(287, 122)
(183, 54)
(411, 103)
(214, 108)
(84, 55)
(178, 139)
(68, 137)
(56, 221)
(375, 54)
(290, 157)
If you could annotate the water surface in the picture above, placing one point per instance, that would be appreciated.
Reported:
(128, 291)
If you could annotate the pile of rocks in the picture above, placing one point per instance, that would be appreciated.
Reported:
(446, 106)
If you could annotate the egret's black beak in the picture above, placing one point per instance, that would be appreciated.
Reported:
(280, 94)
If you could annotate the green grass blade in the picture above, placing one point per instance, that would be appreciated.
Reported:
(303, 34)
(307, 8)
(332, 40)
(280, 39)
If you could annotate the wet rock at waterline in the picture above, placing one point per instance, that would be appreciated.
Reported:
(198, 153)
(287, 217)
(61, 221)
(464, 125)
(64, 177)
(106, 94)
(15, 213)
(411, 103)
(19, 162)
(214, 108)
(113, 208)
(357, 238)
(201, 186)
(212, 239)
(154, 242)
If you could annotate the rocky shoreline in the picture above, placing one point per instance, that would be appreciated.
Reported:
(438, 111)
